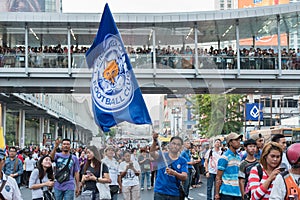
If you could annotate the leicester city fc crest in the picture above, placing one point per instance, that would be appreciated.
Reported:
(112, 89)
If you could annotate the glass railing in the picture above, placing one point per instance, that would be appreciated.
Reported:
(145, 61)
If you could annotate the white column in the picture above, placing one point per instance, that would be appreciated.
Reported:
(22, 128)
(237, 31)
(63, 132)
(42, 128)
(279, 45)
(196, 50)
(55, 134)
(154, 52)
(48, 126)
(69, 50)
(4, 108)
(26, 48)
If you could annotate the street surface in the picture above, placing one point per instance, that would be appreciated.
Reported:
(197, 193)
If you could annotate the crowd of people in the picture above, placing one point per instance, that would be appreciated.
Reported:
(181, 58)
(254, 170)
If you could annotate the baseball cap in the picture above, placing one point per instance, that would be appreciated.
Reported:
(2, 154)
(256, 136)
(233, 136)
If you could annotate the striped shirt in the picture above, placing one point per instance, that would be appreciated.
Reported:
(229, 163)
(256, 187)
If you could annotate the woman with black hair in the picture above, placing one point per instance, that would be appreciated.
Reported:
(41, 178)
(91, 172)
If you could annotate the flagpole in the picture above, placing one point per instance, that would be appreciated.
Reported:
(159, 146)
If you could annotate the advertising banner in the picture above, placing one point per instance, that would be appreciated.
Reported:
(257, 3)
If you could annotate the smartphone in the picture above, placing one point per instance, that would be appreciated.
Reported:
(88, 172)
(281, 169)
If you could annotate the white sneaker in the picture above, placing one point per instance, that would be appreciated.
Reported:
(190, 198)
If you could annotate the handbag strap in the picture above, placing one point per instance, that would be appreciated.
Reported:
(16, 164)
(69, 160)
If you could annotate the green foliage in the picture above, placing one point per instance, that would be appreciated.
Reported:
(218, 114)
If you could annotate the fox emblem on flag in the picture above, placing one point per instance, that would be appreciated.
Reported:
(116, 96)
(112, 88)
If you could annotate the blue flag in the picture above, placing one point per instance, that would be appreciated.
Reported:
(116, 96)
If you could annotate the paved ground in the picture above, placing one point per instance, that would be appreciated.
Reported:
(196, 193)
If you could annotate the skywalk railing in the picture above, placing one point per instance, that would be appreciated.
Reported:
(145, 61)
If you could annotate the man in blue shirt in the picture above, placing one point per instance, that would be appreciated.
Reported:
(172, 169)
(227, 182)
(186, 153)
(13, 165)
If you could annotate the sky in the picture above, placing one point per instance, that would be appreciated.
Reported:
(137, 6)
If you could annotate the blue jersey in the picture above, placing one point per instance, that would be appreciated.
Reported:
(186, 153)
(168, 184)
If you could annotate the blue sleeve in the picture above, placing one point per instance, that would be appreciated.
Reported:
(185, 167)
(222, 163)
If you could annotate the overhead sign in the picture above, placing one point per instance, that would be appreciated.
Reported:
(258, 3)
(254, 112)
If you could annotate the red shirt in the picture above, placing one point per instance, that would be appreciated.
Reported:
(256, 187)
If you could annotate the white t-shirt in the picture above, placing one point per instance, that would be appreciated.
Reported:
(130, 179)
(113, 168)
(34, 179)
(29, 164)
(10, 190)
(278, 191)
(213, 160)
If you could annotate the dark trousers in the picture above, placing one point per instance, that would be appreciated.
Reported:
(228, 197)
(211, 181)
(153, 175)
(187, 183)
(158, 196)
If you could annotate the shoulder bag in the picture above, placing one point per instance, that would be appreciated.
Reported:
(64, 174)
(47, 194)
(103, 188)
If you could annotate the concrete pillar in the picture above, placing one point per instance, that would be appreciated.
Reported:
(237, 32)
(22, 128)
(153, 47)
(41, 128)
(4, 119)
(154, 54)
(55, 134)
(196, 49)
(69, 49)
(279, 45)
(26, 48)
(63, 133)
(47, 126)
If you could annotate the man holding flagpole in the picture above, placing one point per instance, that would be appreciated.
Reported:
(116, 96)
(172, 169)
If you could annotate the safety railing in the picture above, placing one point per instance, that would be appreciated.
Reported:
(145, 61)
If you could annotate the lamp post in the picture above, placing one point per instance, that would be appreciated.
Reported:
(244, 102)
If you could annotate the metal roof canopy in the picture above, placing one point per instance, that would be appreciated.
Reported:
(170, 28)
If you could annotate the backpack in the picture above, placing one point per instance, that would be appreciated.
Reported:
(292, 189)
(211, 152)
(248, 168)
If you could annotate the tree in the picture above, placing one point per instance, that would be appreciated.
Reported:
(218, 114)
